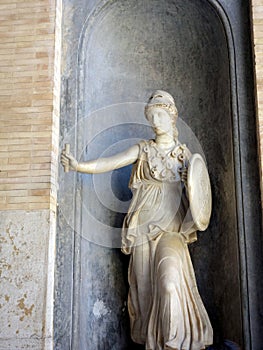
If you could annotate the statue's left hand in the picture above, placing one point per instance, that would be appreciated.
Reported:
(183, 174)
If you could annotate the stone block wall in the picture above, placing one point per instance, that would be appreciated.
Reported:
(29, 129)
(257, 32)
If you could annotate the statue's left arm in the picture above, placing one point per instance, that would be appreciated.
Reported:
(186, 155)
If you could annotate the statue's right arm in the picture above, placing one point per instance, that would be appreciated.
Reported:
(102, 165)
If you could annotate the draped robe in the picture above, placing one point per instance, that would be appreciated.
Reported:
(165, 308)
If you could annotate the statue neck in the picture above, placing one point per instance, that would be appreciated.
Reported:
(165, 141)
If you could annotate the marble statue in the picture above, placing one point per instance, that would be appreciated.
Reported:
(165, 308)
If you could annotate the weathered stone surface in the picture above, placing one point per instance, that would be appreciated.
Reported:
(24, 238)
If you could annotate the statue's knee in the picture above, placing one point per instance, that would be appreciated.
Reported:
(168, 287)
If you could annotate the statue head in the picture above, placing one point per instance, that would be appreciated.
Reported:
(162, 99)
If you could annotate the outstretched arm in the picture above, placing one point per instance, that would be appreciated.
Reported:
(102, 165)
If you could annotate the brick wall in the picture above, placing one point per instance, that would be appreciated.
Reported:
(257, 18)
(29, 109)
(29, 129)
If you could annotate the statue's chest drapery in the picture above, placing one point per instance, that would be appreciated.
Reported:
(157, 187)
(165, 165)
(156, 165)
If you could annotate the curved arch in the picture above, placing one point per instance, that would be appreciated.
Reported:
(94, 18)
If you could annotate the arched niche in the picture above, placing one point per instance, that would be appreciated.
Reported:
(126, 50)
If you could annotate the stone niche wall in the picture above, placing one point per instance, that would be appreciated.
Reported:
(115, 53)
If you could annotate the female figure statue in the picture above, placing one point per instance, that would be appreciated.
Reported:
(165, 308)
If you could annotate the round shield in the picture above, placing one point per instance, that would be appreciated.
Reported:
(199, 191)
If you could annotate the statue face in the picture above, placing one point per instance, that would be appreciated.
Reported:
(160, 120)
